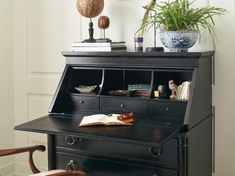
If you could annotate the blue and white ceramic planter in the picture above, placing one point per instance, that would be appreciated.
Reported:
(178, 40)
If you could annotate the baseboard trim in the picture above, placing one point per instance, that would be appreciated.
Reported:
(24, 169)
(17, 169)
(8, 170)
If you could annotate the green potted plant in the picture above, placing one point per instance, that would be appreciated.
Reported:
(180, 23)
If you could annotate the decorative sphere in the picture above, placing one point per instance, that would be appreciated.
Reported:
(90, 8)
(103, 22)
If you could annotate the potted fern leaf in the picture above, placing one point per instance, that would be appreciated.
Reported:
(180, 23)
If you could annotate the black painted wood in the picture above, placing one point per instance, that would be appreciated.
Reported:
(169, 137)
(114, 150)
(144, 132)
(200, 104)
(124, 105)
(51, 151)
(200, 149)
(104, 167)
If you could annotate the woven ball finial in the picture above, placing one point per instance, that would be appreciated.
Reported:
(90, 8)
(103, 22)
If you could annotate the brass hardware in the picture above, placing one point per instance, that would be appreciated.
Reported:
(70, 140)
(155, 151)
(155, 175)
(168, 108)
(72, 166)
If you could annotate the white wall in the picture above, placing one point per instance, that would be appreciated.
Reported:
(224, 98)
(44, 28)
(6, 82)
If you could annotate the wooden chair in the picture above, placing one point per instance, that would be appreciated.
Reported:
(35, 171)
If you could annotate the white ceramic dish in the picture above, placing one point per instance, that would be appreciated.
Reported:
(85, 89)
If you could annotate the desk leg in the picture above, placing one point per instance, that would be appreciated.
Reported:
(51, 151)
(182, 145)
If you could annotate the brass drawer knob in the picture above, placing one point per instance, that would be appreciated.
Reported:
(122, 105)
(70, 140)
(168, 109)
(155, 151)
(72, 166)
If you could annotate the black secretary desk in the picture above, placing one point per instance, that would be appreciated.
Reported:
(168, 138)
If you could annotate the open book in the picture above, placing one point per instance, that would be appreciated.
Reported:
(103, 119)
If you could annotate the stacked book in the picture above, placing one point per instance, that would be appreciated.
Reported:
(140, 90)
(183, 91)
(99, 46)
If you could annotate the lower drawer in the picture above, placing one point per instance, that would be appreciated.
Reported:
(102, 167)
(167, 156)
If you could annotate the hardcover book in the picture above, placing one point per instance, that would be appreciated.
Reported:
(139, 87)
(183, 91)
(104, 48)
(100, 44)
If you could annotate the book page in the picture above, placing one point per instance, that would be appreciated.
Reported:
(102, 119)
(92, 119)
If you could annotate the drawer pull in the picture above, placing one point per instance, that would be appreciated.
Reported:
(72, 166)
(168, 109)
(81, 101)
(155, 175)
(70, 140)
(155, 152)
(122, 105)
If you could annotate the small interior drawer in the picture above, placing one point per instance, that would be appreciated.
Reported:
(77, 102)
(103, 167)
(124, 105)
(168, 108)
